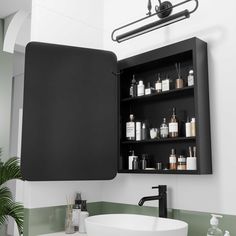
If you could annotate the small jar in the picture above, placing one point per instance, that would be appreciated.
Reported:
(181, 163)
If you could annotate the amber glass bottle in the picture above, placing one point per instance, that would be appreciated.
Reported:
(173, 125)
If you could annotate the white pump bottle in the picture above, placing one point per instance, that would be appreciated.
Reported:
(214, 230)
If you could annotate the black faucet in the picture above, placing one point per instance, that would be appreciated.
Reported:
(162, 197)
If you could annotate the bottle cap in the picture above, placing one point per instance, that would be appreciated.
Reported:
(214, 220)
(131, 116)
(193, 119)
(144, 126)
(191, 72)
(140, 82)
(172, 151)
(133, 80)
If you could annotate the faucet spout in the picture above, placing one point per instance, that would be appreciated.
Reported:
(162, 197)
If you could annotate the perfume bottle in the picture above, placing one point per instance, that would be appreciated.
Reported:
(158, 85)
(165, 84)
(140, 88)
(173, 125)
(172, 160)
(133, 88)
(191, 78)
(130, 128)
(164, 130)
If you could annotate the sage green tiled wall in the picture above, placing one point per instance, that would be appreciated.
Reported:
(51, 219)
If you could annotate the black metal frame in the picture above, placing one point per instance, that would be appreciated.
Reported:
(154, 25)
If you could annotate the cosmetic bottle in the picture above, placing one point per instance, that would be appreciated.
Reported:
(158, 84)
(148, 89)
(131, 158)
(76, 211)
(138, 131)
(173, 125)
(172, 160)
(144, 132)
(214, 230)
(133, 88)
(135, 164)
(179, 83)
(144, 162)
(188, 128)
(181, 163)
(193, 127)
(140, 88)
(191, 78)
(83, 215)
(164, 130)
(165, 84)
(130, 128)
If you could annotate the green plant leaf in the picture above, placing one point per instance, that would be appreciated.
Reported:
(10, 170)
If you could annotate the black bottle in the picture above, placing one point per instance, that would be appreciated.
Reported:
(133, 88)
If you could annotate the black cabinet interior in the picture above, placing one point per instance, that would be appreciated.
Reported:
(189, 101)
(70, 127)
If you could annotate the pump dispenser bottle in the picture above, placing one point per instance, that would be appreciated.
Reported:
(214, 230)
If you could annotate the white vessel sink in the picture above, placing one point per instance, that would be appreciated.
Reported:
(134, 225)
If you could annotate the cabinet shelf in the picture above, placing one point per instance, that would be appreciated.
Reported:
(164, 140)
(189, 172)
(170, 93)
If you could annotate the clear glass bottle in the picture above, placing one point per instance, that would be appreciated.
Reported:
(172, 160)
(191, 78)
(173, 125)
(164, 130)
(133, 88)
(130, 128)
(135, 163)
(158, 85)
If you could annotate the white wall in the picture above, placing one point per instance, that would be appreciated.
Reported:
(74, 22)
(54, 21)
(214, 193)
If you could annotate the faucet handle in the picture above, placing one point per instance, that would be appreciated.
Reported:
(162, 188)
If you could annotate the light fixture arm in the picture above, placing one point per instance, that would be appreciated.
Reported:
(157, 13)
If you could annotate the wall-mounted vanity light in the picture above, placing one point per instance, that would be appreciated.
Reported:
(162, 11)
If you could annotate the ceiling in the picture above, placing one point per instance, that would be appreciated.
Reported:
(7, 7)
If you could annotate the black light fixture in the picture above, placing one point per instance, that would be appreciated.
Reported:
(163, 11)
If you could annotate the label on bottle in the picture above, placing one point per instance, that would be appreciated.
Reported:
(165, 85)
(140, 90)
(75, 217)
(164, 131)
(190, 80)
(158, 86)
(172, 159)
(147, 91)
(173, 127)
(130, 130)
(138, 131)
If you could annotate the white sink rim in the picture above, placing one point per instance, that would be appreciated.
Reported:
(180, 224)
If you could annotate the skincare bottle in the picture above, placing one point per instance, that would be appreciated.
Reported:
(164, 130)
(135, 164)
(144, 132)
(188, 128)
(191, 78)
(172, 160)
(83, 215)
(130, 128)
(133, 88)
(131, 157)
(173, 125)
(165, 84)
(76, 211)
(193, 127)
(214, 230)
(140, 88)
(138, 131)
(144, 162)
(148, 89)
(158, 84)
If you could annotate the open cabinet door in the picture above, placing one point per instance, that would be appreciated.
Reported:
(70, 114)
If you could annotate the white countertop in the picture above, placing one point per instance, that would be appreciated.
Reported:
(63, 234)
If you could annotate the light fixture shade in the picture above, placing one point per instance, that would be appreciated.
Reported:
(153, 26)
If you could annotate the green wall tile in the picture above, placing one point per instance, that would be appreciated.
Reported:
(51, 219)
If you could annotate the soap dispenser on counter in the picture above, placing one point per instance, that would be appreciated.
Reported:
(83, 215)
(214, 230)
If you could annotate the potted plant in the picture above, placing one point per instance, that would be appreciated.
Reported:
(8, 171)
